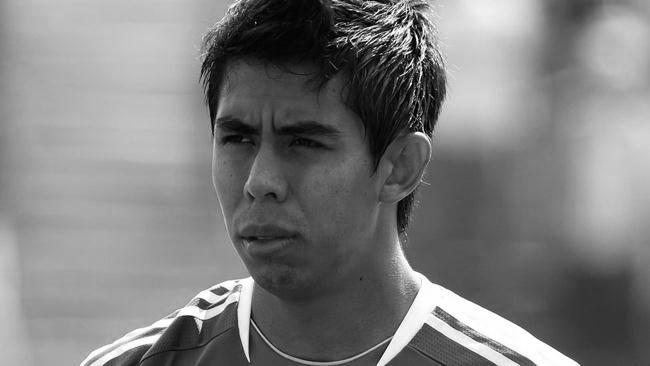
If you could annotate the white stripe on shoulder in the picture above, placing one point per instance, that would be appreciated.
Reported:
(143, 336)
(94, 354)
(211, 297)
(133, 336)
(123, 348)
(198, 313)
(501, 330)
(467, 342)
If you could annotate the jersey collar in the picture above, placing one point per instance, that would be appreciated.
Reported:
(423, 304)
(244, 313)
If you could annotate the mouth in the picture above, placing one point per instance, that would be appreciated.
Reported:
(266, 240)
(261, 238)
(263, 246)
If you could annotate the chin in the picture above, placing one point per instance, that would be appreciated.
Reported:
(284, 281)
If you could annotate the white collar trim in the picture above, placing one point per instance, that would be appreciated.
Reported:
(244, 313)
(423, 304)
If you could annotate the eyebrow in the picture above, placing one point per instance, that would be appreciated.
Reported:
(304, 128)
(233, 124)
(309, 128)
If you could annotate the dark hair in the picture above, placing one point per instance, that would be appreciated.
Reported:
(386, 49)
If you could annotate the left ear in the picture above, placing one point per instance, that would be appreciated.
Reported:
(403, 165)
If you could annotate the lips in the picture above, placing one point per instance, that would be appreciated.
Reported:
(265, 233)
(266, 240)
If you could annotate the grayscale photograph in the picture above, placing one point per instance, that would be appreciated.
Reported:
(325, 182)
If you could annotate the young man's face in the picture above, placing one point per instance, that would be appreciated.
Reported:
(294, 178)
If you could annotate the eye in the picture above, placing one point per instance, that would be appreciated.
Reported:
(304, 142)
(235, 139)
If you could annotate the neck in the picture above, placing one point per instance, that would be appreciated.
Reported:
(367, 307)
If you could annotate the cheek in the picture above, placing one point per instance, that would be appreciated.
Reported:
(225, 181)
(340, 195)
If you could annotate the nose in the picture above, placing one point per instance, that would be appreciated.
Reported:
(266, 179)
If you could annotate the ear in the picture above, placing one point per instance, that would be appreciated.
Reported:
(403, 166)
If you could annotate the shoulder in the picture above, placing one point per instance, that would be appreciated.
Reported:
(208, 305)
(483, 335)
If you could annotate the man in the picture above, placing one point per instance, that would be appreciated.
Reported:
(322, 113)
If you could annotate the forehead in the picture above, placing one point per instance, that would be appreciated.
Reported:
(255, 89)
(251, 73)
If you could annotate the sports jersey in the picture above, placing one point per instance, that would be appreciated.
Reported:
(440, 328)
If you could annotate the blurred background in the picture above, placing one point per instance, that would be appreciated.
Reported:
(537, 207)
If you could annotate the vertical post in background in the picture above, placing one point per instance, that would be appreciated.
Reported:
(13, 332)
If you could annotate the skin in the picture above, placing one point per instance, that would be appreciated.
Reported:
(312, 221)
